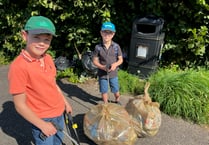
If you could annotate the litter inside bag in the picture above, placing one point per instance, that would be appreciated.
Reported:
(145, 114)
(109, 124)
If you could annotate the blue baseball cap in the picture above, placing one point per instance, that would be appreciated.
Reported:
(108, 26)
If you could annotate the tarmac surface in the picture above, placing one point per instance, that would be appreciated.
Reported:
(16, 131)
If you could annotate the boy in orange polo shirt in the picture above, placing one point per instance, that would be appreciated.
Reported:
(32, 82)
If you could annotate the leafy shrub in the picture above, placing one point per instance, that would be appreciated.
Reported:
(70, 75)
(182, 93)
(78, 23)
(130, 83)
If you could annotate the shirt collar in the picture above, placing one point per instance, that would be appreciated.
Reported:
(27, 57)
(111, 45)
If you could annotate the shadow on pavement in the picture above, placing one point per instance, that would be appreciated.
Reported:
(14, 125)
(73, 90)
(83, 138)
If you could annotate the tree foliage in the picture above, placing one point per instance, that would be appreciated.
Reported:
(78, 23)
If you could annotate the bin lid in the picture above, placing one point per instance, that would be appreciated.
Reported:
(150, 20)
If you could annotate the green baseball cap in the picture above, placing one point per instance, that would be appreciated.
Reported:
(40, 25)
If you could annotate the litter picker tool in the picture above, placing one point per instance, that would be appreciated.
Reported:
(71, 127)
(108, 66)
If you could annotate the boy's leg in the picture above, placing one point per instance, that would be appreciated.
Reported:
(117, 96)
(105, 97)
(103, 87)
(114, 85)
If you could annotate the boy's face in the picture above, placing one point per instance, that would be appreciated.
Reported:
(107, 35)
(37, 44)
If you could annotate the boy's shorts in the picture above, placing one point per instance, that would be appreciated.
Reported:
(52, 140)
(113, 83)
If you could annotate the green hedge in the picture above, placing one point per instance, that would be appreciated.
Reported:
(78, 23)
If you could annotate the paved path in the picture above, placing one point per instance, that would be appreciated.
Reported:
(15, 130)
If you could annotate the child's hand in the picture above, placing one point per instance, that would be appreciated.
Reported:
(113, 67)
(68, 108)
(48, 129)
(109, 68)
(104, 67)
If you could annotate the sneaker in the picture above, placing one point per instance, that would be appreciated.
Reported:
(109, 101)
(118, 102)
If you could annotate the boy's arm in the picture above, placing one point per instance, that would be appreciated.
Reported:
(99, 65)
(20, 105)
(117, 63)
(68, 107)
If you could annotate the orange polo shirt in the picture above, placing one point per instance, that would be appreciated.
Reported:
(27, 75)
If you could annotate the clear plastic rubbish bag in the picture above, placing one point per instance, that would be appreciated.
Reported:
(145, 114)
(109, 124)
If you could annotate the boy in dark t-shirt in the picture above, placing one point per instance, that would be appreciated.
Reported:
(107, 57)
